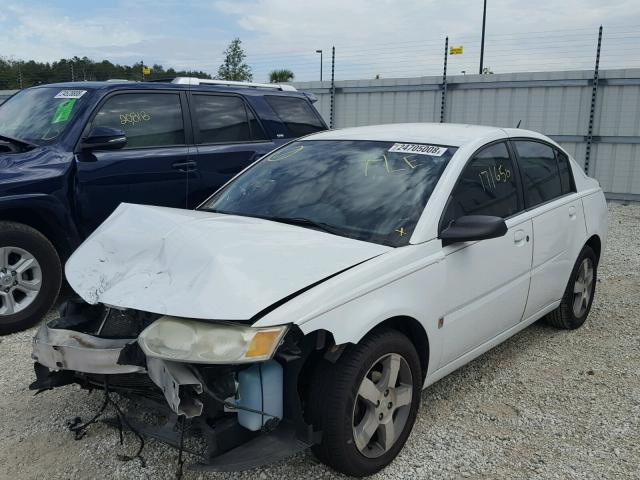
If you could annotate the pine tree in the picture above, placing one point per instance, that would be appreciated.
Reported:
(234, 68)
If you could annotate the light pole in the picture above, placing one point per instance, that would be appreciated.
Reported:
(484, 22)
(320, 52)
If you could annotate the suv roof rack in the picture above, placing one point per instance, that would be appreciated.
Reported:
(231, 83)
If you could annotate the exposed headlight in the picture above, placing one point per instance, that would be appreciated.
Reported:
(193, 341)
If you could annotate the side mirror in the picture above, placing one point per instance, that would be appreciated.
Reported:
(104, 138)
(473, 227)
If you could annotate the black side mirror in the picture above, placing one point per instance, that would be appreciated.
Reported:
(473, 227)
(104, 138)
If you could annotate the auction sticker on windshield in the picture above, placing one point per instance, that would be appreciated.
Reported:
(418, 149)
(70, 93)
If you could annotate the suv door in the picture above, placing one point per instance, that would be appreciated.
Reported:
(558, 220)
(228, 138)
(487, 281)
(150, 169)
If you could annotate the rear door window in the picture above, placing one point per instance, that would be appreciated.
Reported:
(224, 119)
(487, 186)
(540, 174)
(566, 175)
(297, 114)
(148, 119)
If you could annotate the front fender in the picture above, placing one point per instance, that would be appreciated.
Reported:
(47, 214)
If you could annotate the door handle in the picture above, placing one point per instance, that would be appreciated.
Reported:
(184, 166)
(572, 212)
(519, 237)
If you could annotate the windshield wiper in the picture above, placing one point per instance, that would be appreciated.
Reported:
(306, 222)
(17, 141)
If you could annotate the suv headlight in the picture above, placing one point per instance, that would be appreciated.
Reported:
(193, 341)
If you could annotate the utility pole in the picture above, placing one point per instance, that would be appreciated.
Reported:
(142, 69)
(484, 22)
(20, 75)
(72, 77)
(320, 52)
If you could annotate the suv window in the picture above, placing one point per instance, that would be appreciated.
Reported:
(148, 119)
(487, 186)
(540, 174)
(296, 114)
(223, 119)
(566, 176)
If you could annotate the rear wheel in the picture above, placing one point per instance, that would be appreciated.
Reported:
(30, 276)
(578, 296)
(370, 399)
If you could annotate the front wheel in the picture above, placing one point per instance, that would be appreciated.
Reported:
(370, 400)
(30, 276)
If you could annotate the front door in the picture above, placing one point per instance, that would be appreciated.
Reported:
(153, 168)
(486, 281)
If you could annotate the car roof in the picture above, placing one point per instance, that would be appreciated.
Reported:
(450, 134)
(111, 85)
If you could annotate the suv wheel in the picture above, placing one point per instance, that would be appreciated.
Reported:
(369, 402)
(30, 276)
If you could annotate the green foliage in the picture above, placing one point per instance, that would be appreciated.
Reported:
(281, 75)
(234, 67)
(79, 69)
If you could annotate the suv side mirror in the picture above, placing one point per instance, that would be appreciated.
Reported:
(104, 138)
(473, 227)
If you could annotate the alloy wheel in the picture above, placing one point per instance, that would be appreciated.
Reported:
(582, 288)
(20, 279)
(382, 405)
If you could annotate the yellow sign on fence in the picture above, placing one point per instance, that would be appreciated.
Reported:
(455, 50)
(147, 70)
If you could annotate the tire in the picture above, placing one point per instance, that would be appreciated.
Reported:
(567, 316)
(342, 409)
(30, 273)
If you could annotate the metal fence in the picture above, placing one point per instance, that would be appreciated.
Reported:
(558, 104)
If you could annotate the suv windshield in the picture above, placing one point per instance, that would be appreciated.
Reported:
(366, 190)
(39, 115)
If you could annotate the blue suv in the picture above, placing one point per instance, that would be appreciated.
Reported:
(70, 153)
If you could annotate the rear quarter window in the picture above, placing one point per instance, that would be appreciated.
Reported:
(297, 114)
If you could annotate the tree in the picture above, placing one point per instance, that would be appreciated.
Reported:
(234, 68)
(281, 75)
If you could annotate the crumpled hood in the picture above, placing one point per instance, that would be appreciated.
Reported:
(204, 265)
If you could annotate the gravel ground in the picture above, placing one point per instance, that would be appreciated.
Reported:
(544, 404)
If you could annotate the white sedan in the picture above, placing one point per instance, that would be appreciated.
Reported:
(311, 299)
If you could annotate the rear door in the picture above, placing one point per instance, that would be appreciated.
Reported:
(557, 216)
(151, 169)
(228, 138)
(487, 281)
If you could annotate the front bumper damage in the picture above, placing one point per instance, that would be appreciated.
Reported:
(75, 350)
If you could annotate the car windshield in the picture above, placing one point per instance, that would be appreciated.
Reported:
(39, 115)
(366, 190)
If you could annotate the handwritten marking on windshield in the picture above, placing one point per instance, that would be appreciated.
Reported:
(276, 157)
(386, 165)
(401, 231)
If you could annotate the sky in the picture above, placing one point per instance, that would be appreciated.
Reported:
(372, 37)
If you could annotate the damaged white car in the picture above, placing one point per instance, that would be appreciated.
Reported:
(311, 299)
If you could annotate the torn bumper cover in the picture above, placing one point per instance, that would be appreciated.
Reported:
(60, 349)
(229, 405)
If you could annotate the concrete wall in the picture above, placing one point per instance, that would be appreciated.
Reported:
(554, 103)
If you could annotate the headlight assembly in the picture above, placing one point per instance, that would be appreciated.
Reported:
(193, 341)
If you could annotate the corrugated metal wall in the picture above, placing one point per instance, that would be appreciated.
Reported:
(557, 104)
